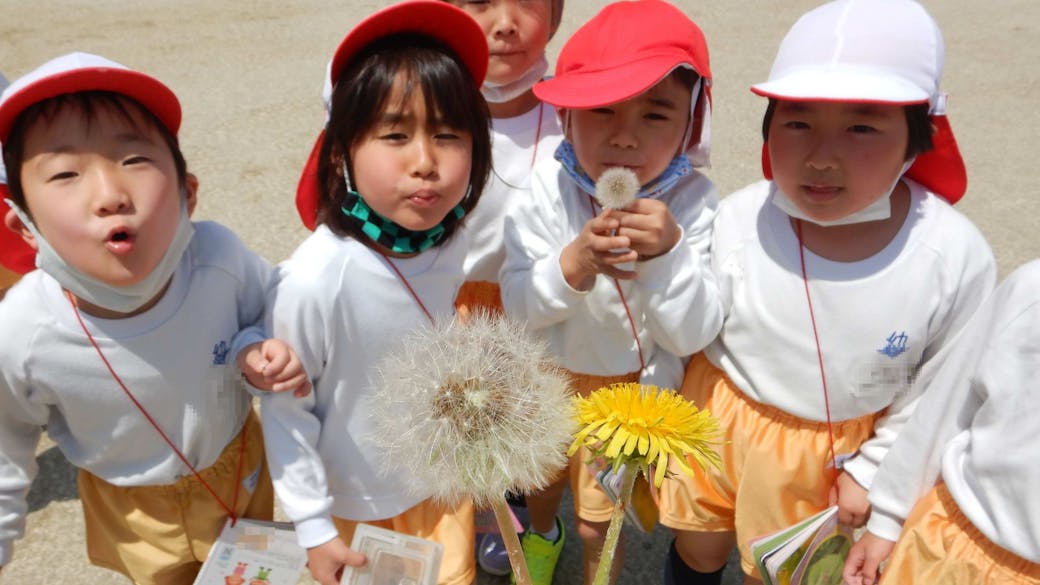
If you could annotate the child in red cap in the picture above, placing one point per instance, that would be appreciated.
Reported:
(400, 165)
(616, 278)
(124, 343)
(524, 131)
(11, 269)
(842, 277)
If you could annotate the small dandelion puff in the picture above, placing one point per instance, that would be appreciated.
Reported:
(617, 187)
(472, 409)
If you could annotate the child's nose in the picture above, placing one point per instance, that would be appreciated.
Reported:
(622, 135)
(505, 19)
(823, 154)
(424, 161)
(110, 196)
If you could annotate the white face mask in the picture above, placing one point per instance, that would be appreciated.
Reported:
(500, 93)
(880, 209)
(121, 299)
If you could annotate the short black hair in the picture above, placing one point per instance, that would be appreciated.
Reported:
(89, 103)
(360, 96)
(918, 124)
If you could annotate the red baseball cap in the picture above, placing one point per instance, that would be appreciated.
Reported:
(623, 51)
(73, 73)
(442, 21)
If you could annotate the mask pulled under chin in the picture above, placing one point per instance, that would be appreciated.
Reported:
(880, 209)
(500, 93)
(120, 299)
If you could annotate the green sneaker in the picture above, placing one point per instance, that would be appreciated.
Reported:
(541, 555)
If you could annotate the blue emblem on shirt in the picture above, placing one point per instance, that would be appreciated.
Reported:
(895, 344)
(220, 352)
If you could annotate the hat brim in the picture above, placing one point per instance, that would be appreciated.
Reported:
(148, 91)
(308, 188)
(842, 86)
(592, 89)
(15, 254)
(434, 18)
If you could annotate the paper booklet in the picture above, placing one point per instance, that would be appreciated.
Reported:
(254, 552)
(642, 511)
(811, 552)
(393, 558)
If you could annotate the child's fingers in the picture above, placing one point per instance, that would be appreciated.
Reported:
(277, 360)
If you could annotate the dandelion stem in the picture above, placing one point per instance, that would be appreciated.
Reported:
(617, 518)
(512, 542)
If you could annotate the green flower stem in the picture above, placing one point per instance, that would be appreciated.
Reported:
(606, 558)
(509, 537)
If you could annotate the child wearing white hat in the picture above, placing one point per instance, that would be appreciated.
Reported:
(124, 342)
(8, 274)
(956, 494)
(842, 277)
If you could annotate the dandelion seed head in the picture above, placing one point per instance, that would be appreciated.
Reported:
(617, 187)
(474, 409)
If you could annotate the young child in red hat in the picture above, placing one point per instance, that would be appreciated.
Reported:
(11, 269)
(617, 281)
(524, 132)
(124, 342)
(842, 277)
(399, 167)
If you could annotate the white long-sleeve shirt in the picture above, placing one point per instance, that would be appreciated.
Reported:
(879, 319)
(342, 308)
(673, 300)
(177, 358)
(976, 423)
(516, 145)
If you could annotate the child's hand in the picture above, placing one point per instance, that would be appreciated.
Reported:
(649, 226)
(861, 566)
(272, 365)
(851, 498)
(326, 561)
(597, 250)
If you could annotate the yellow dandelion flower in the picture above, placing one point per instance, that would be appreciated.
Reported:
(643, 425)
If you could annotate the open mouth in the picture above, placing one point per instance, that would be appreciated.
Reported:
(120, 241)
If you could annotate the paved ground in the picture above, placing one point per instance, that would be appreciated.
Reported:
(249, 76)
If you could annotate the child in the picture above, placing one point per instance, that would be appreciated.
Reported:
(524, 131)
(401, 163)
(13, 268)
(841, 278)
(975, 420)
(614, 290)
(123, 343)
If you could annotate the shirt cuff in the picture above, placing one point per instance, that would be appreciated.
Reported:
(885, 525)
(861, 470)
(657, 272)
(316, 531)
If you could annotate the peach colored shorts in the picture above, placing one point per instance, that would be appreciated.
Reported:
(776, 467)
(940, 545)
(160, 535)
(479, 294)
(451, 526)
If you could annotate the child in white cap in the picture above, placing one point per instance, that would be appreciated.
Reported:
(124, 343)
(842, 277)
(11, 269)
(619, 288)
(524, 131)
(399, 166)
(956, 494)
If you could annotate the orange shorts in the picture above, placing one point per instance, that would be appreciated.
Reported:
(775, 466)
(451, 526)
(479, 294)
(162, 534)
(7, 278)
(591, 503)
(940, 545)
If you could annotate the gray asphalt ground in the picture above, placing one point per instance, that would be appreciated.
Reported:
(249, 76)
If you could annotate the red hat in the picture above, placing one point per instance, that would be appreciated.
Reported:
(875, 51)
(434, 18)
(623, 51)
(73, 73)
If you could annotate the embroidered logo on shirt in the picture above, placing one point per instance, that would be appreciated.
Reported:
(895, 344)
(220, 352)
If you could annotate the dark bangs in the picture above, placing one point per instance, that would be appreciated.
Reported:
(360, 97)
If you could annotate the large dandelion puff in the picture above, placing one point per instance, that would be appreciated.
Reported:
(473, 409)
(641, 427)
(617, 187)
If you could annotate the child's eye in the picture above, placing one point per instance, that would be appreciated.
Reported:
(656, 116)
(62, 176)
(135, 160)
(447, 135)
(862, 129)
(393, 136)
(602, 110)
(796, 125)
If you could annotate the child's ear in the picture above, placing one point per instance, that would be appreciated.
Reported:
(16, 225)
(191, 192)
